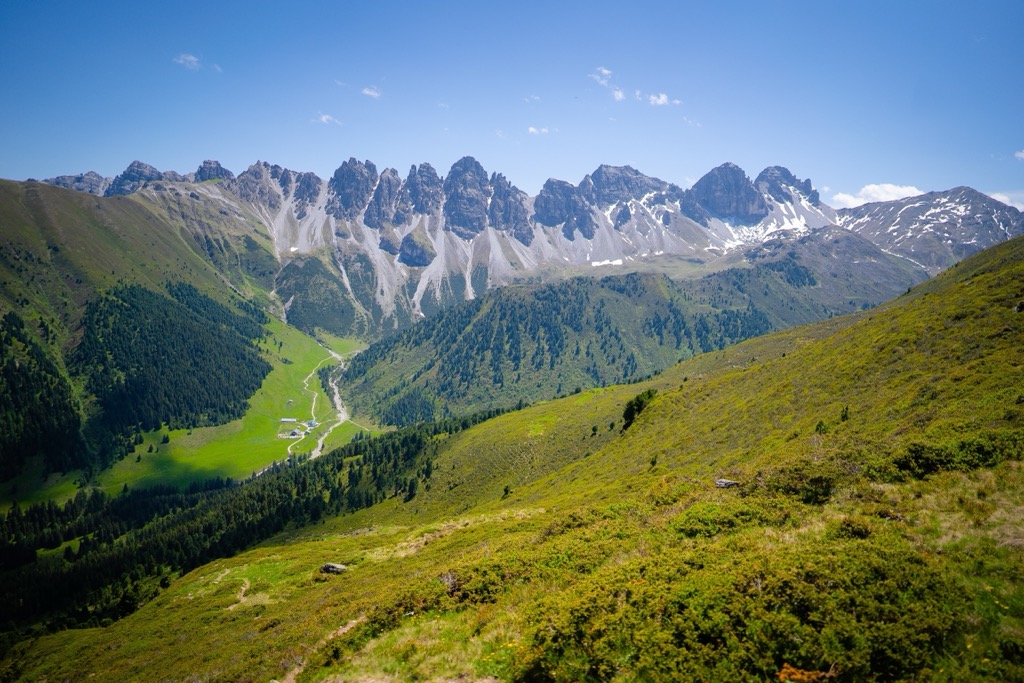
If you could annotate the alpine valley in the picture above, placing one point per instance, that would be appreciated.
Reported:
(620, 430)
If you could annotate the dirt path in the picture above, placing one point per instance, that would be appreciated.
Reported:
(297, 670)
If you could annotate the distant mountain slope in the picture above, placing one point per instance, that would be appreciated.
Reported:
(530, 343)
(867, 528)
(937, 229)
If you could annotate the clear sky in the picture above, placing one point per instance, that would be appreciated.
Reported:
(864, 98)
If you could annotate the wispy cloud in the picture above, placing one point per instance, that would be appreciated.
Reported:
(371, 91)
(531, 99)
(326, 119)
(602, 75)
(878, 192)
(216, 67)
(661, 100)
(189, 61)
(1019, 155)
(532, 130)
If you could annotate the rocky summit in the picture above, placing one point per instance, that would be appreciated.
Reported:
(398, 248)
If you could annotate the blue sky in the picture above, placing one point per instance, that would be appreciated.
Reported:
(864, 98)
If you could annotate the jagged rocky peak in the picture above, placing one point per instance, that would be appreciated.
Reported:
(610, 184)
(726, 193)
(91, 182)
(777, 182)
(351, 185)
(466, 195)
(256, 184)
(509, 210)
(423, 189)
(562, 203)
(384, 203)
(212, 170)
(133, 177)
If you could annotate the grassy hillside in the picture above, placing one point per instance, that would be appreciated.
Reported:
(874, 531)
(111, 271)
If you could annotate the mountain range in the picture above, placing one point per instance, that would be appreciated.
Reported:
(385, 251)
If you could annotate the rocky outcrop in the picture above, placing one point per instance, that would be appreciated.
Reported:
(726, 193)
(562, 203)
(351, 187)
(423, 189)
(135, 176)
(384, 203)
(509, 210)
(610, 184)
(257, 183)
(416, 250)
(212, 170)
(91, 182)
(778, 183)
(466, 194)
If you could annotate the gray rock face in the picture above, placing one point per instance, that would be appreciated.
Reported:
(610, 184)
(466, 192)
(134, 177)
(777, 181)
(416, 251)
(351, 185)
(689, 206)
(423, 189)
(307, 186)
(389, 243)
(256, 184)
(91, 182)
(212, 170)
(727, 194)
(384, 203)
(508, 210)
(562, 203)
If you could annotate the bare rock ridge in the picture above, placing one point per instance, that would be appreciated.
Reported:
(396, 249)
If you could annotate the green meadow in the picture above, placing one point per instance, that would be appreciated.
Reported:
(236, 449)
(243, 447)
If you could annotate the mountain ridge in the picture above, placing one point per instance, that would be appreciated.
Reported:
(420, 243)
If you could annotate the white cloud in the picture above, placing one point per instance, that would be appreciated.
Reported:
(618, 95)
(216, 67)
(659, 100)
(537, 131)
(190, 62)
(602, 75)
(1014, 199)
(371, 91)
(638, 95)
(327, 119)
(532, 98)
(880, 192)
(1019, 155)
(442, 105)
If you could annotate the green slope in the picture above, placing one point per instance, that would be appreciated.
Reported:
(73, 267)
(874, 534)
(523, 344)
